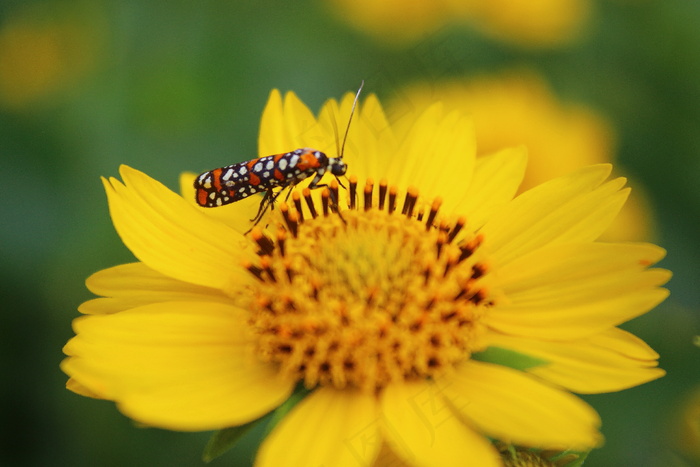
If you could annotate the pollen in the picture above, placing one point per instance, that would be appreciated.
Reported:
(372, 293)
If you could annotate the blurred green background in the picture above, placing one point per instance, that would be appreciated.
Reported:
(169, 86)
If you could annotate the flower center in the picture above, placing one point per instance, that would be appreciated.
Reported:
(368, 295)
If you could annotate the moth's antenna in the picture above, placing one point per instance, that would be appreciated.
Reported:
(347, 128)
(335, 133)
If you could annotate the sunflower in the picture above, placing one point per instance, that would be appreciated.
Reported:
(420, 311)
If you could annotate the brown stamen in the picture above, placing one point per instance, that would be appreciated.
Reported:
(288, 270)
(410, 201)
(325, 201)
(469, 248)
(297, 204)
(254, 270)
(382, 193)
(265, 264)
(439, 243)
(266, 245)
(353, 191)
(293, 223)
(281, 240)
(369, 188)
(465, 290)
(437, 202)
(478, 270)
(284, 210)
(309, 202)
(459, 225)
(334, 194)
(393, 192)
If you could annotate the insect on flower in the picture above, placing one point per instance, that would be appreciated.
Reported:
(232, 183)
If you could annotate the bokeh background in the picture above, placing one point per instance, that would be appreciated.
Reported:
(169, 86)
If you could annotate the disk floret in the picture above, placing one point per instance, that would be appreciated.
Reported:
(369, 295)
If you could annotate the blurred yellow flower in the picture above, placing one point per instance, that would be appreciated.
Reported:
(535, 23)
(519, 108)
(685, 435)
(426, 310)
(44, 52)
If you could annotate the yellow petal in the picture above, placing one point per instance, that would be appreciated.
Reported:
(626, 344)
(387, 457)
(567, 263)
(176, 365)
(236, 215)
(76, 387)
(376, 141)
(571, 291)
(569, 322)
(611, 361)
(372, 115)
(496, 180)
(131, 285)
(437, 156)
(370, 139)
(172, 237)
(286, 124)
(573, 208)
(299, 121)
(272, 134)
(407, 158)
(187, 186)
(327, 428)
(424, 431)
(516, 408)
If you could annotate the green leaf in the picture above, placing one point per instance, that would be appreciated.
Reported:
(223, 440)
(284, 409)
(509, 358)
(576, 463)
